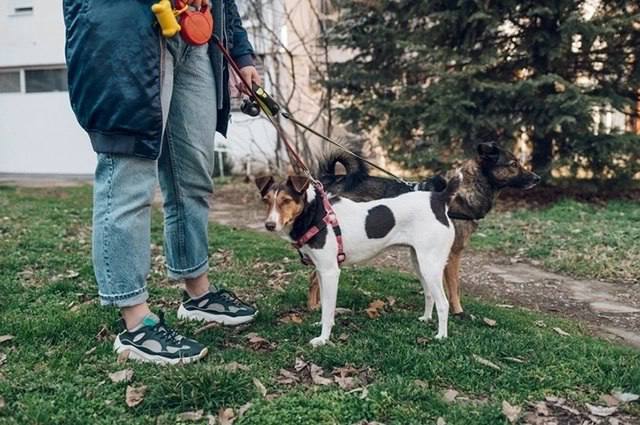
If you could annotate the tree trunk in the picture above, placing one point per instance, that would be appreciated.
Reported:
(541, 160)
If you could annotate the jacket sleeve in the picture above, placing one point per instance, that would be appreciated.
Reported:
(241, 49)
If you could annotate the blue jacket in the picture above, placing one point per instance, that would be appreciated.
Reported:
(113, 52)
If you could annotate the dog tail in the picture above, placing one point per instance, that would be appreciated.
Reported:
(453, 185)
(356, 169)
(436, 183)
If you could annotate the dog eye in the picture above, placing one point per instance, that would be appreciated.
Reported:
(513, 164)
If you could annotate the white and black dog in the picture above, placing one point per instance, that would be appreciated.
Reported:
(301, 213)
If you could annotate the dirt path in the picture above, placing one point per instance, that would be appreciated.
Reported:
(608, 309)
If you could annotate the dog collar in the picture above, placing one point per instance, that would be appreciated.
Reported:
(329, 218)
(458, 216)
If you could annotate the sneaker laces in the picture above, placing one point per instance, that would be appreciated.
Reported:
(231, 297)
(170, 334)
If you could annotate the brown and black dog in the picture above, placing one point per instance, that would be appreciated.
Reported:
(492, 170)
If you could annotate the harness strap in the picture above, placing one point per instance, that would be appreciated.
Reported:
(329, 219)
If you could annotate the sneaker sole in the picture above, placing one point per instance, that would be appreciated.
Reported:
(202, 316)
(138, 355)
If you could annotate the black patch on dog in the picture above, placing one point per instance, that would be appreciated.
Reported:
(438, 205)
(379, 222)
(312, 215)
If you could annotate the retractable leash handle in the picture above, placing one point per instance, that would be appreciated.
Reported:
(268, 105)
(296, 161)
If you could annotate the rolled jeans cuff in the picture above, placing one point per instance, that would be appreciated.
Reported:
(190, 273)
(129, 299)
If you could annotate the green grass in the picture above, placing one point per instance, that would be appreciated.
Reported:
(576, 238)
(47, 377)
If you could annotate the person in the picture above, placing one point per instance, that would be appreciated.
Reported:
(151, 107)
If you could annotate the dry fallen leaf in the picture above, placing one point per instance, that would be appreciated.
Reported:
(103, 333)
(300, 364)
(542, 409)
(420, 383)
(5, 338)
(601, 411)
(316, 376)
(226, 416)
(286, 377)
(190, 416)
(625, 397)
(347, 383)
(391, 301)
(364, 392)
(423, 341)
(123, 375)
(609, 400)
(291, 318)
(515, 359)
(2, 403)
(343, 337)
(540, 324)
(450, 395)
(243, 409)
(135, 395)
(441, 421)
(90, 351)
(510, 412)
(122, 357)
(373, 311)
(3, 358)
(235, 366)
(489, 322)
(207, 327)
(485, 362)
(342, 310)
(258, 343)
(72, 274)
(561, 332)
(260, 386)
(555, 400)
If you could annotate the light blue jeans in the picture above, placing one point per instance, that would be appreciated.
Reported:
(125, 185)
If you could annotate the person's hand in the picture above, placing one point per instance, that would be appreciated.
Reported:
(250, 75)
(198, 4)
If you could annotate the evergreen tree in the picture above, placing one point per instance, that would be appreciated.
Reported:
(436, 77)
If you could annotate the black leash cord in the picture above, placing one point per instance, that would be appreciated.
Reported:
(338, 145)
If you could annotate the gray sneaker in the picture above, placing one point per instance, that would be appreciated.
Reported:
(221, 306)
(153, 341)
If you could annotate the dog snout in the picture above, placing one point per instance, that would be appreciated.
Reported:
(270, 225)
(536, 178)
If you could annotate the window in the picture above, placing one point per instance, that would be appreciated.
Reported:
(10, 82)
(20, 7)
(44, 80)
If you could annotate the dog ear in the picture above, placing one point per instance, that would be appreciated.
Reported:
(489, 151)
(299, 183)
(264, 183)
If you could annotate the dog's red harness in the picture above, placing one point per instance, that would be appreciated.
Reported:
(328, 219)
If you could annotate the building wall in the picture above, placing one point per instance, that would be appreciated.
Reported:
(38, 131)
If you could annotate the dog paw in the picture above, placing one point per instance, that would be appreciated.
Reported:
(318, 342)
(424, 318)
(463, 315)
(440, 335)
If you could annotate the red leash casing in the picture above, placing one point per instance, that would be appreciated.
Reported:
(197, 26)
